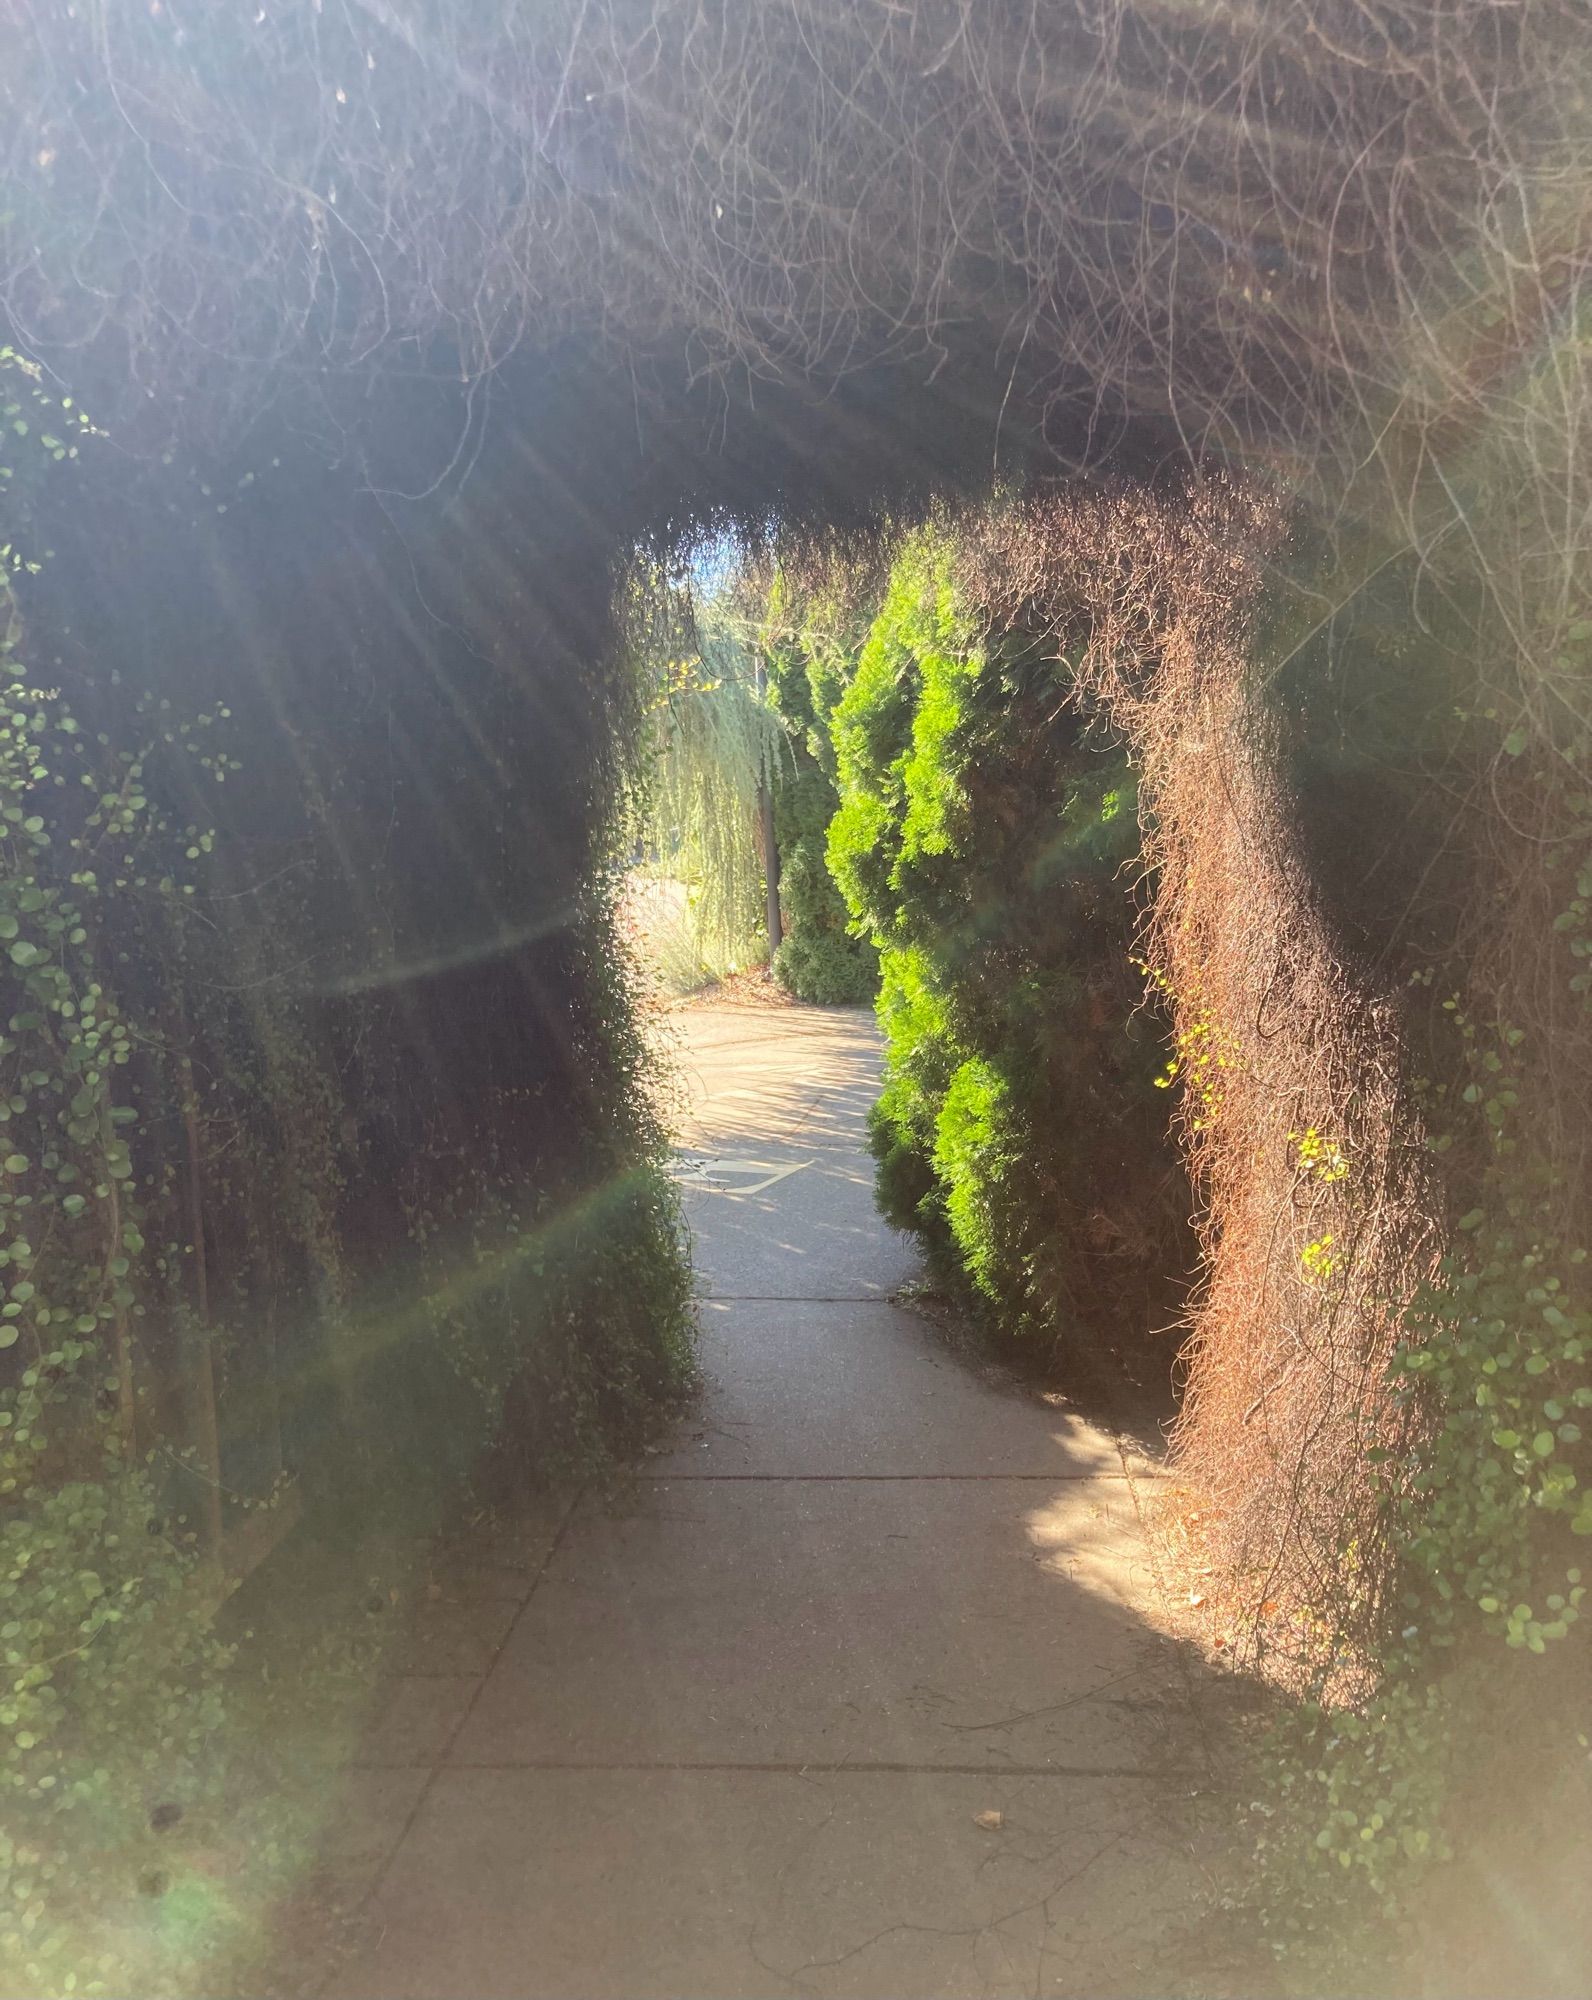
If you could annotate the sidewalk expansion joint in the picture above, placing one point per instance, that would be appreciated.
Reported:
(855, 1768)
(879, 1478)
(800, 1299)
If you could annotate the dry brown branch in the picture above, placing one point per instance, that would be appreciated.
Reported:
(1317, 1215)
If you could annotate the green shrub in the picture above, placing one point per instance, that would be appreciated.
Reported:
(820, 960)
(872, 725)
(982, 840)
(979, 1147)
(920, 1061)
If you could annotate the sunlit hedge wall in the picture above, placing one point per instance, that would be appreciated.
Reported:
(984, 843)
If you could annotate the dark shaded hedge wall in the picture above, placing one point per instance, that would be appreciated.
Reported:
(421, 1095)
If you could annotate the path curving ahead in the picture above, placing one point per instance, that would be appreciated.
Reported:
(855, 1690)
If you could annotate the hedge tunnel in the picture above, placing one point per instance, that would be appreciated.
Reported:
(1241, 359)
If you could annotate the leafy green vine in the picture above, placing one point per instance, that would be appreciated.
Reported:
(108, 1669)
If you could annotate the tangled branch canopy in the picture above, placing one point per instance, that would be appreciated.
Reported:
(1241, 218)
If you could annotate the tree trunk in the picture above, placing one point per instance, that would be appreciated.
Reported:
(765, 829)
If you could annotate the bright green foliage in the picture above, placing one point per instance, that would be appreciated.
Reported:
(917, 644)
(982, 829)
(916, 1019)
(978, 1153)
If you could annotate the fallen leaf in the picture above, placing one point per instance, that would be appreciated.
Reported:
(991, 1822)
(1196, 1598)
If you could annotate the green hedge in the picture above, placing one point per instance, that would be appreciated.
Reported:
(984, 842)
(820, 960)
(417, 1267)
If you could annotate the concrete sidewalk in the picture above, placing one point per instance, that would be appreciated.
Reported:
(858, 1689)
